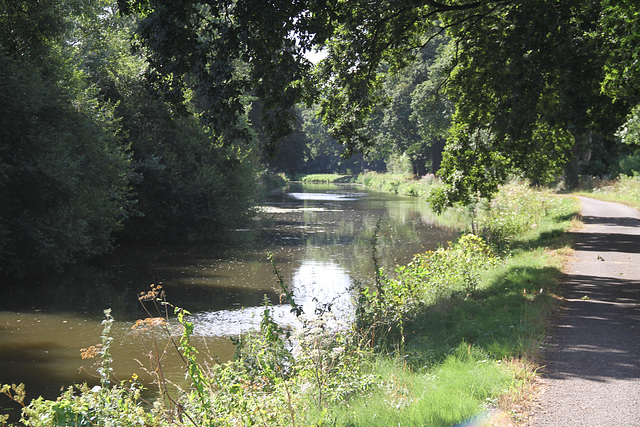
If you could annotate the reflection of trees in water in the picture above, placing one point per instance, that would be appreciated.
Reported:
(329, 229)
(86, 290)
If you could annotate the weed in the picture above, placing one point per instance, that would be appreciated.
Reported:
(625, 189)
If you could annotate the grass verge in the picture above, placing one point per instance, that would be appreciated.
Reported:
(624, 189)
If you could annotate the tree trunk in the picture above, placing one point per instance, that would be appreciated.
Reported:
(436, 155)
(571, 176)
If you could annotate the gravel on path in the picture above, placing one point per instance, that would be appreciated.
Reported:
(592, 372)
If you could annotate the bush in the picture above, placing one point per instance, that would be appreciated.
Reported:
(189, 186)
(65, 175)
(405, 185)
(429, 278)
(326, 177)
(268, 181)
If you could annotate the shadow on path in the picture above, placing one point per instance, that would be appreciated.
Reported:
(612, 221)
(606, 242)
(593, 360)
(604, 338)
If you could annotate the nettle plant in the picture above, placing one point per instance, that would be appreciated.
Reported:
(429, 278)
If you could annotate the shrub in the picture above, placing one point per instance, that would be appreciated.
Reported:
(403, 184)
(269, 181)
(326, 177)
(429, 278)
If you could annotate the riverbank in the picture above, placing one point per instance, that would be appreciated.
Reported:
(547, 250)
(422, 351)
(405, 185)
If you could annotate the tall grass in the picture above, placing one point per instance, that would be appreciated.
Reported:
(458, 389)
(624, 189)
(403, 184)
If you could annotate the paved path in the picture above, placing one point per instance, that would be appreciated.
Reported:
(593, 360)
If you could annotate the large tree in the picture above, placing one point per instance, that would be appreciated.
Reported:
(525, 83)
(218, 52)
(188, 183)
(526, 86)
(89, 154)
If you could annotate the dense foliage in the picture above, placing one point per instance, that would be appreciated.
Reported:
(88, 154)
(64, 172)
(523, 80)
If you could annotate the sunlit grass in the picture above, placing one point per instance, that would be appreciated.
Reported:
(326, 177)
(625, 189)
(466, 355)
(460, 388)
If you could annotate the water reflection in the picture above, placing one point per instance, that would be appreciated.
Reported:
(319, 236)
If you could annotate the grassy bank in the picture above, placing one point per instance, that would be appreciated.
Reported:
(625, 189)
(398, 184)
(326, 177)
(442, 340)
(405, 185)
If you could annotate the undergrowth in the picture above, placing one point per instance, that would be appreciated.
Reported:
(433, 343)
(405, 185)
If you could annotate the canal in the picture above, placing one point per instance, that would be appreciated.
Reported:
(320, 237)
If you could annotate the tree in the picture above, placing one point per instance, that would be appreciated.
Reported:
(222, 51)
(415, 115)
(188, 183)
(620, 20)
(432, 108)
(64, 173)
(525, 78)
(392, 129)
(325, 154)
(89, 154)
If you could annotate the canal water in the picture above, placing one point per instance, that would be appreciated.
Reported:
(320, 237)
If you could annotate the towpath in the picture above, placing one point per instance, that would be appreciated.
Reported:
(592, 372)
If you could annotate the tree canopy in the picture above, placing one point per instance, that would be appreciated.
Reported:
(143, 119)
(526, 78)
(88, 154)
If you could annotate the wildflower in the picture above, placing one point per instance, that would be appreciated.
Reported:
(149, 322)
(91, 352)
(156, 290)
